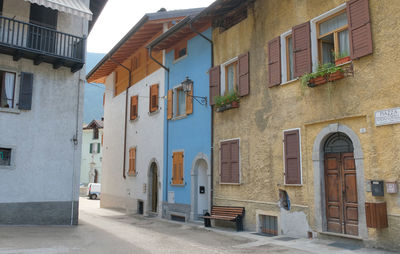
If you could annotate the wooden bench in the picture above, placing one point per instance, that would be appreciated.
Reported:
(227, 213)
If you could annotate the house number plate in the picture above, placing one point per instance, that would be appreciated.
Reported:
(387, 116)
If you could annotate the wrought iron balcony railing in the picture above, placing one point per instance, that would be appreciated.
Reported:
(39, 43)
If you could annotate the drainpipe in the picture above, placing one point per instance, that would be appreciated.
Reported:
(126, 113)
(167, 127)
(212, 116)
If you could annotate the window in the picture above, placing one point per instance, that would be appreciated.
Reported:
(180, 50)
(229, 77)
(5, 157)
(180, 102)
(153, 101)
(39, 38)
(333, 38)
(95, 133)
(292, 156)
(229, 161)
(134, 107)
(7, 89)
(94, 148)
(132, 161)
(177, 168)
(1, 7)
(289, 57)
(136, 62)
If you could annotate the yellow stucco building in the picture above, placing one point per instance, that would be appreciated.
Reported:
(306, 161)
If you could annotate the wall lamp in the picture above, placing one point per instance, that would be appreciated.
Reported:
(187, 86)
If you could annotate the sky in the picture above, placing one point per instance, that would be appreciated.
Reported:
(119, 16)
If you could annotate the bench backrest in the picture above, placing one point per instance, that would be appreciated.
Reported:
(227, 211)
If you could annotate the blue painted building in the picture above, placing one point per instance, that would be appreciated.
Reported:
(187, 142)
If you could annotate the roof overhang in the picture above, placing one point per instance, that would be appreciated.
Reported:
(74, 7)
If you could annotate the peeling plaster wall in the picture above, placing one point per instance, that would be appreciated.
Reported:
(267, 112)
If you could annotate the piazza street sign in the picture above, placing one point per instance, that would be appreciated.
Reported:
(387, 116)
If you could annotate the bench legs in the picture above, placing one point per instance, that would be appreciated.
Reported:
(207, 221)
(239, 223)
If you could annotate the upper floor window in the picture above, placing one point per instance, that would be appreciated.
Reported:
(181, 50)
(333, 38)
(289, 57)
(180, 102)
(7, 89)
(136, 62)
(43, 16)
(1, 7)
(5, 157)
(229, 76)
(95, 133)
(153, 101)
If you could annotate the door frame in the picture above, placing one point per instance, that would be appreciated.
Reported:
(318, 155)
(194, 178)
(150, 187)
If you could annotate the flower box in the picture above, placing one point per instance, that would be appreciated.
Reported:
(336, 76)
(234, 104)
(317, 81)
(342, 60)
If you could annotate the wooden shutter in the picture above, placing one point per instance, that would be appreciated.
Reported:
(274, 62)
(189, 102)
(230, 162)
(215, 82)
(98, 147)
(244, 74)
(134, 107)
(153, 101)
(132, 161)
(359, 28)
(170, 104)
(177, 168)
(91, 148)
(292, 157)
(25, 91)
(301, 49)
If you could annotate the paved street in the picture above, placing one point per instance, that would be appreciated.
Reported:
(109, 231)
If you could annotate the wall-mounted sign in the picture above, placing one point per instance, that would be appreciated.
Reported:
(391, 187)
(387, 116)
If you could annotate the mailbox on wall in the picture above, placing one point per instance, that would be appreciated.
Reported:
(377, 188)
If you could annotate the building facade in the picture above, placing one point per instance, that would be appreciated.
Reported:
(41, 93)
(134, 117)
(307, 159)
(92, 153)
(187, 127)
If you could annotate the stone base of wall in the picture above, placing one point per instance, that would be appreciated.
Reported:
(39, 213)
(386, 238)
(170, 209)
(128, 205)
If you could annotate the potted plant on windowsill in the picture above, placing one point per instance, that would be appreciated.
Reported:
(228, 101)
(326, 72)
(341, 58)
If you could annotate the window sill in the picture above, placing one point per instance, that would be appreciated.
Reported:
(346, 63)
(179, 59)
(154, 112)
(178, 117)
(289, 82)
(132, 175)
(11, 167)
(230, 183)
(10, 110)
(134, 120)
(293, 185)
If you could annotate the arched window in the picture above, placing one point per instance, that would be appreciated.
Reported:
(338, 143)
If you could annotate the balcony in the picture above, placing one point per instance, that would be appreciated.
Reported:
(41, 44)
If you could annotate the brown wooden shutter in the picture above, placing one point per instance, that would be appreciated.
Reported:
(170, 104)
(153, 100)
(359, 28)
(274, 62)
(301, 49)
(177, 168)
(234, 147)
(134, 107)
(225, 162)
(25, 91)
(189, 102)
(215, 81)
(244, 74)
(132, 161)
(292, 157)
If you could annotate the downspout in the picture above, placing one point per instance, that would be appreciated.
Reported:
(167, 127)
(126, 113)
(212, 116)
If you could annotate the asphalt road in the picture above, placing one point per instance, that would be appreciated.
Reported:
(108, 231)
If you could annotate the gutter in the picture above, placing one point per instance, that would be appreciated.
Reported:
(126, 113)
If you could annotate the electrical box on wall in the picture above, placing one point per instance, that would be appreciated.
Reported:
(391, 187)
(377, 188)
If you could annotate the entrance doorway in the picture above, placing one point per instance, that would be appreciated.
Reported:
(340, 185)
(153, 184)
(201, 178)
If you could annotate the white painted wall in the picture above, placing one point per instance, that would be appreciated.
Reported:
(46, 158)
(145, 133)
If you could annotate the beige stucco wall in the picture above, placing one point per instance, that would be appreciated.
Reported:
(267, 112)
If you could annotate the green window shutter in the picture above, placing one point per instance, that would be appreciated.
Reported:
(98, 147)
(91, 148)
